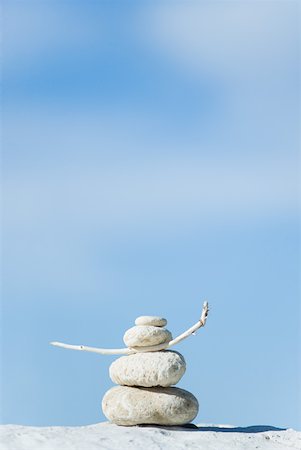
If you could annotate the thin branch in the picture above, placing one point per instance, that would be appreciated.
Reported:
(194, 328)
(154, 348)
(102, 351)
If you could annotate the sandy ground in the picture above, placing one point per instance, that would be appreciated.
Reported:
(108, 436)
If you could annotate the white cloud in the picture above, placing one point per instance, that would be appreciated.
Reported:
(155, 194)
(56, 198)
(55, 215)
(231, 39)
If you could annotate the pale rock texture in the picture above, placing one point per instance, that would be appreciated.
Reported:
(124, 405)
(144, 336)
(163, 368)
(107, 436)
(156, 321)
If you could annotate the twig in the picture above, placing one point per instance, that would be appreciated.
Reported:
(154, 348)
(102, 351)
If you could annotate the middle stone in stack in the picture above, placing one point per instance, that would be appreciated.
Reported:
(144, 395)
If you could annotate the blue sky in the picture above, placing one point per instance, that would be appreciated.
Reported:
(150, 161)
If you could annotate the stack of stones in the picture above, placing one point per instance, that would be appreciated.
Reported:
(144, 394)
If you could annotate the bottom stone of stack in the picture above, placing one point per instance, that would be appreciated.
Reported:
(124, 405)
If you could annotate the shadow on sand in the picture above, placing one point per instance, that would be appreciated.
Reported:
(250, 429)
(218, 429)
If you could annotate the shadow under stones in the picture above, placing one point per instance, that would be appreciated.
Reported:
(192, 427)
(250, 429)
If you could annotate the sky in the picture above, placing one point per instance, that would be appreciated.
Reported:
(150, 162)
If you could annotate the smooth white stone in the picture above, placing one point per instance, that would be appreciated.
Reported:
(164, 368)
(124, 405)
(143, 336)
(156, 321)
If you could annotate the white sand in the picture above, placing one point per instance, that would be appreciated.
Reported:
(107, 436)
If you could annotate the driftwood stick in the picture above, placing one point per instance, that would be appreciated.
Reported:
(194, 328)
(102, 351)
(154, 348)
